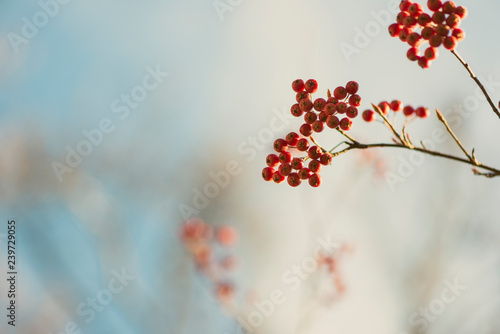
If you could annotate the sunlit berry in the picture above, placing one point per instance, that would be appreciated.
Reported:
(311, 86)
(297, 163)
(306, 104)
(310, 117)
(414, 39)
(415, 9)
(340, 93)
(450, 43)
(227, 235)
(384, 107)
(272, 160)
(278, 178)
(403, 34)
(435, 41)
(293, 180)
(298, 85)
(453, 21)
(332, 121)
(394, 29)
(296, 111)
(351, 112)
(314, 166)
(408, 110)
(410, 22)
(306, 130)
(355, 100)
(424, 63)
(427, 32)
(341, 107)
(368, 115)
(422, 112)
(301, 95)
(352, 87)
(285, 157)
(404, 5)
(280, 145)
(395, 105)
(345, 124)
(322, 116)
(330, 109)
(434, 4)
(318, 126)
(292, 138)
(459, 34)
(424, 20)
(449, 7)
(325, 159)
(314, 152)
(285, 169)
(461, 11)
(304, 173)
(438, 17)
(413, 54)
(267, 173)
(431, 53)
(302, 144)
(315, 180)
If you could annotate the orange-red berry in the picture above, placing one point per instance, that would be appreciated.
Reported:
(306, 130)
(345, 124)
(267, 173)
(311, 86)
(315, 180)
(285, 169)
(352, 87)
(302, 144)
(332, 121)
(298, 85)
(292, 138)
(369, 115)
(272, 160)
(293, 180)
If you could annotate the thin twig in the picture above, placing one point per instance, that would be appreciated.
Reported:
(346, 135)
(473, 76)
(316, 143)
(450, 131)
(353, 146)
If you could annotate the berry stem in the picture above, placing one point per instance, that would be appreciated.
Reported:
(450, 131)
(347, 136)
(359, 146)
(386, 121)
(316, 143)
(473, 76)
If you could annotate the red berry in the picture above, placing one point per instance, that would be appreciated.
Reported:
(340, 93)
(424, 19)
(315, 180)
(280, 145)
(355, 100)
(459, 34)
(403, 34)
(318, 126)
(408, 110)
(302, 144)
(427, 32)
(400, 18)
(442, 30)
(453, 21)
(297, 163)
(431, 53)
(450, 43)
(332, 121)
(326, 159)
(449, 7)
(412, 54)
(461, 11)
(304, 173)
(414, 39)
(415, 9)
(296, 111)
(368, 115)
(351, 112)
(292, 138)
(330, 109)
(314, 152)
(227, 235)
(410, 22)
(311, 86)
(438, 17)
(352, 87)
(403, 5)
(272, 160)
(341, 107)
(285, 157)
(293, 180)
(319, 104)
(298, 85)
(278, 178)
(322, 116)
(395, 105)
(301, 95)
(332, 100)
(434, 4)
(384, 107)
(345, 124)
(314, 166)
(267, 173)
(306, 104)
(422, 112)
(394, 29)
(310, 117)
(435, 41)
(285, 169)
(424, 63)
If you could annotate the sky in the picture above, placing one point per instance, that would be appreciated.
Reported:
(160, 96)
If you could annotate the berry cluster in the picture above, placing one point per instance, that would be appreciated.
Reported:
(316, 113)
(396, 106)
(439, 28)
(198, 238)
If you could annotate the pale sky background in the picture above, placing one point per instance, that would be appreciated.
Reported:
(119, 209)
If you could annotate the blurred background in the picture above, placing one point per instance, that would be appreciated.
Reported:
(116, 115)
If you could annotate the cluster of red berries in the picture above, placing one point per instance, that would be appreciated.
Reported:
(198, 238)
(316, 113)
(440, 28)
(396, 106)
(294, 169)
(319, 112)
